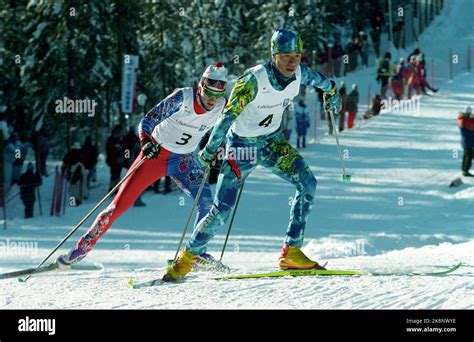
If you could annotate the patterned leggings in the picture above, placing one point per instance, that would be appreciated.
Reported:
(183, 169)
(274, 153)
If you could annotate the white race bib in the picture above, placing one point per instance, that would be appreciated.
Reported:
(182, 131)
(263, 115)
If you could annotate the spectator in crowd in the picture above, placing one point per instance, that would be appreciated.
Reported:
(76, 173)
(302, 123)
(352, 106)
(336, 54)
(377, 17)
(10, 151)
(329, 69)
(20, 151)
(131, 147)
(321, 103)
(415, 53)
(342, 113)
(90, 153)
(375, 35)
(466, 125)
(352, 49)
(398, 33)
(305, 59)
(28, 183)
(4, 127)
(375, 107)
(385, 70)
(323, 60)
(115, 155)
(423, 82)
(41, 147)
(398, 80)
(377, 23)
(364, 49)
(413, 74)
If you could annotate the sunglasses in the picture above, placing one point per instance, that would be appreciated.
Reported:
(215, 85)
(212, 94)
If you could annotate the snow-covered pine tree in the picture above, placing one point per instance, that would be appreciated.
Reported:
(12, 44)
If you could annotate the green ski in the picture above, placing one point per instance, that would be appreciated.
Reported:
(300, 273)
(155, 282)
(313, 272)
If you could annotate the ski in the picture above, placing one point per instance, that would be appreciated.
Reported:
(51, 267)
(293, 273)
(207, 265)
(212, 266)
(459, 179)
(155, 282)
(314, 272)
(300, 273)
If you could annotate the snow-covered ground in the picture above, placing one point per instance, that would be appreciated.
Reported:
(397, 214)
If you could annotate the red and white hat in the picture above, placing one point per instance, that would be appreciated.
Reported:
(215, 77)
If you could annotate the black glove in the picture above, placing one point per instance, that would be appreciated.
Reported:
(150, 149)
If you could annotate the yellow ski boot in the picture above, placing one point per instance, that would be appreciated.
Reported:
(292, 258)
(182, 266)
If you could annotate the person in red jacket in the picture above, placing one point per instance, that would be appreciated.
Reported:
(423, 82)
(398, 80)
(413, 72)
(352, 105)
(466, 125)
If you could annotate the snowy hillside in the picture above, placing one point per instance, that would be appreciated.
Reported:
(397, 214)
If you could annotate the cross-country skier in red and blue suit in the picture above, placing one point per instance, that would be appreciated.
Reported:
(169, 134)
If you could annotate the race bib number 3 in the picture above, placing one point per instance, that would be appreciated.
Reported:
(184, 139)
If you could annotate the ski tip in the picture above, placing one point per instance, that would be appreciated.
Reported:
(166, 279)
(98, 265)
(131, 283)
(22, 280)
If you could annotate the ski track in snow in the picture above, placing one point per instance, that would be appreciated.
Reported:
(108, 288)
(361, 225)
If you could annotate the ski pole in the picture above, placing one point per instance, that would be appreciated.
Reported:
(196, 199)
(53, 200)
(64, 195)
(39, 201)
(345, 177)
(86, 217)
(232, 220)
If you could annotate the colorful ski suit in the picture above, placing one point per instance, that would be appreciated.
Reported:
(178, 124)
(255, 111)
